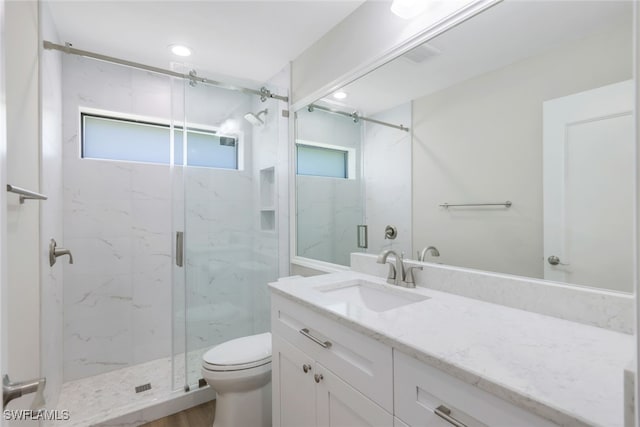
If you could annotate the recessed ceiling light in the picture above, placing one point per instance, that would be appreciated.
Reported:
(180, 50)
(340, 95)
(407, 9)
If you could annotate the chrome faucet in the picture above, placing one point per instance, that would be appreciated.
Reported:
(398, 275)
(423, 253)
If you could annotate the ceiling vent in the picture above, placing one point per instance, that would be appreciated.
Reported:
(421, 53)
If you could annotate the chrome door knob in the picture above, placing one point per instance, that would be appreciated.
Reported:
(318, 377)
(553, 260)
(306, 368)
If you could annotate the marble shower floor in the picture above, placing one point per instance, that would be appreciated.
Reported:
(103, 397)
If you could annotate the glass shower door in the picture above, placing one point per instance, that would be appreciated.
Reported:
(330, 202)
(227, 180)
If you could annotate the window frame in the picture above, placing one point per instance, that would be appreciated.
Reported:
(350, 163)
(160, 123)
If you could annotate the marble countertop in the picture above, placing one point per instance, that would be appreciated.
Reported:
(566, 372)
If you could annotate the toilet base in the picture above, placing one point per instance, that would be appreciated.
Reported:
(244, 409)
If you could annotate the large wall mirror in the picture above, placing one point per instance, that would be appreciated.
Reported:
(520, 157)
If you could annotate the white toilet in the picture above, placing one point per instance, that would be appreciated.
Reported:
(240, 372)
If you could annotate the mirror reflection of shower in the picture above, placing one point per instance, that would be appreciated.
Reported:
(255, 119)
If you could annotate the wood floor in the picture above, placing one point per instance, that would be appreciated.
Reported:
(198, 416)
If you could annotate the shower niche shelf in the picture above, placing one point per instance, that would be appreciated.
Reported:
(267, 199)
(268, 220)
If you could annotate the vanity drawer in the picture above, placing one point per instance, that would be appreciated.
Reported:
(362, 362)
(419, 389)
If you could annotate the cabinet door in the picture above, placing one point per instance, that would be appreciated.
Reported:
(294, 391)
(340, 405)
(361, 361)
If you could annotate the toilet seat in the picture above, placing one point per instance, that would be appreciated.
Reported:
(239, 354)
(238, 367)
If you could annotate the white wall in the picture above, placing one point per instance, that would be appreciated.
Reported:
(51, 211)
(23, 161)
(364, 39)
(387, 180)
(481, 141)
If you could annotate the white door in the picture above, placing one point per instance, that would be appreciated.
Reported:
(340, 405)
(589, 187)
(294, 398)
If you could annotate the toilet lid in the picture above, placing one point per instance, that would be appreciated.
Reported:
(240, 353)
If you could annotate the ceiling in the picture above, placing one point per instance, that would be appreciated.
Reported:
(506, 33)
(248, 40)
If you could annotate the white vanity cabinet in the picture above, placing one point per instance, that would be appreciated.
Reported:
(440, 362)
(325, 374)
(425, 396)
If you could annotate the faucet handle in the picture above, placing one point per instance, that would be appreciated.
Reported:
(55, 252)
(391, 277)
(410, 279)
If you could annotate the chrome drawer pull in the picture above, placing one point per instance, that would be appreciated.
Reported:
(306, 368)
(324, 344)
(445, 413)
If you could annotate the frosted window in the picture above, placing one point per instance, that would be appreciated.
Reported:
(126, 140)
(320, 161)
(207, 150)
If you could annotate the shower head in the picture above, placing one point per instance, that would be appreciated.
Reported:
(255, 119)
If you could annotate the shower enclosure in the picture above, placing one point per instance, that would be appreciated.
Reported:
(351, 182)
(170, 208)
(228, 218)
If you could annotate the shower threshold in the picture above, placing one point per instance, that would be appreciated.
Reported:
(110, 399)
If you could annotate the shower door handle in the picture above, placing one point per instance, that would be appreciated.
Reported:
(363, 238)
(180, 248)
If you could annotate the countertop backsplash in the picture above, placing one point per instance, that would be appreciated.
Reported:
(595, 307)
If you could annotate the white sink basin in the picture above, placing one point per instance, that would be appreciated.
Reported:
(372, 296)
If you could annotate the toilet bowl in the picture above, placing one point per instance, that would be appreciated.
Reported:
(240, 373)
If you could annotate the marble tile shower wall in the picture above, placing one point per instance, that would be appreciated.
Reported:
(118, 223)
(218, 289)
(328, 209)
(270, 246)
